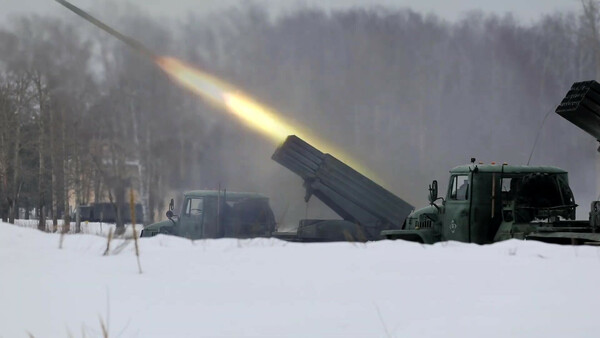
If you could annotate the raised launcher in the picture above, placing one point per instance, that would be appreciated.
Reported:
(365, 207)
(581, 106)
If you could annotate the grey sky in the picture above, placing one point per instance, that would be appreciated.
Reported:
(526, 10)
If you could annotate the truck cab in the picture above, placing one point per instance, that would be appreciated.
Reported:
(217, 214)
(485, 203)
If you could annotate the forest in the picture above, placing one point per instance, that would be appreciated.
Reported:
(84, 119)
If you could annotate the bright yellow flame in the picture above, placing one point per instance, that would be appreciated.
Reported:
(252, 113)
(258, 117)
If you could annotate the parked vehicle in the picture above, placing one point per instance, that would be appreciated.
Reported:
(217, 214)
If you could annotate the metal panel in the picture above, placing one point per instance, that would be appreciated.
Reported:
(347, 192)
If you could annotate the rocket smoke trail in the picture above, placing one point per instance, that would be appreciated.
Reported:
(138, 46)
(249, 111)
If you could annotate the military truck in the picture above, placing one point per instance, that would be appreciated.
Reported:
(486, 203)
(106, 212)
(217, 214)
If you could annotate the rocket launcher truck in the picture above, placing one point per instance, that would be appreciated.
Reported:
(486, 203)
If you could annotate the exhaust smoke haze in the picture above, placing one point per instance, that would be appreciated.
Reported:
(410, 96)
(252, 113)
(223, 95)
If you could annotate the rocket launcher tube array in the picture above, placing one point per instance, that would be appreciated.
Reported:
(347, 192)
(581, 106)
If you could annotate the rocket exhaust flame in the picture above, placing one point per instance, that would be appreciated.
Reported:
(223, 95)
(253, 114)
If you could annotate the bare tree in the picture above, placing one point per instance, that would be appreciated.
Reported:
(41, 96)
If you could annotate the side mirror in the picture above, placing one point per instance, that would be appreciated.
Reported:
(169, 214)
(433, 191)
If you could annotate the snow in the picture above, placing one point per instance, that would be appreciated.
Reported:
(267, 287)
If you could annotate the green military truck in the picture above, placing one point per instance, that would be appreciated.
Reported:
(489, 203)
(217, 214)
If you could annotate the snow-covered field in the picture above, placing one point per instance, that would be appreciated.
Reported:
(266, 287)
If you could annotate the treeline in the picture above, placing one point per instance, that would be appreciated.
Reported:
(84, 119)
(80, 125)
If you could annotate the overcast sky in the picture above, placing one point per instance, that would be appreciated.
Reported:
(526, 10)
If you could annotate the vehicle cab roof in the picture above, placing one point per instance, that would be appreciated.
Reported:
(506, 168)
(231, 195)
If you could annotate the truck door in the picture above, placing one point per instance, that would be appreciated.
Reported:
(457, 209)
(486, 206)
(192, 218)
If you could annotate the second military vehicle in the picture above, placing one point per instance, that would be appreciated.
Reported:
(217, 214)
(106, 212)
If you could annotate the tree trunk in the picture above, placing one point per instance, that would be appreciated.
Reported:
(53, 169)
(142, 165)
(65, 173)
(27, 206)
(16, 185)
(97, 186)
(3, 186)
(79, 186)
(41, 150)
(118, 202)
(77, 219)
(41, 184)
